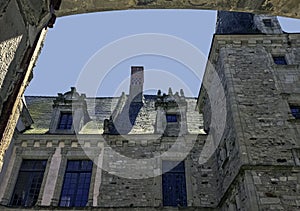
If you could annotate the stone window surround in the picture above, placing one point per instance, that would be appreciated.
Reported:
(27, 153)
(75, 154)
(279, 52)
(268, 22)
(55, 121)
(295, 114)
(281, 58)
(25, 185)
(291, 100)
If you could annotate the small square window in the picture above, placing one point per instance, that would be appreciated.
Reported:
(295, 111)
(268, 22)
(280, 60)
(65, 121)
(171, 118)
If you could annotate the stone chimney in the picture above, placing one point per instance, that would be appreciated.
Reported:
(136, 84)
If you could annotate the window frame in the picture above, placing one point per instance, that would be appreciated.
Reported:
(78, 178)
(296, 115)
(68, 125)
(268, 22)
(279, 59)
(33, 171)
(172, 118)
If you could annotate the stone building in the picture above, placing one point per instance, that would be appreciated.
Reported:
(236, 147)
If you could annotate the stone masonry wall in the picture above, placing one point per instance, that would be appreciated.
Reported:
(264, 114)
(227, 150)
(266, 132)
(116, 191)
(241, 195)
(277, 188)
(108, 189)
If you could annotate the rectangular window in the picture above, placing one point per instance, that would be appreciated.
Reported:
(65, 121)
(75, 190)
(171, 118)
(280, 60)
(268, 22)
(295, 111)
(174, 185)
(29, 183)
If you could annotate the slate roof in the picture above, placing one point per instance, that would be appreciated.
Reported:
(101, 108)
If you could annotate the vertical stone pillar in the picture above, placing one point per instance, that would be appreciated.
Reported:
(99, 161)
(5, 177)
(51, 178)
(160, 123)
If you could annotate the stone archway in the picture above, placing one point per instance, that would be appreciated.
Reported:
(23, 26)
(288, 8)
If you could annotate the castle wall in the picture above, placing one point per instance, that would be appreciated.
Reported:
(113, 182)
(23, 22)
(266, 133)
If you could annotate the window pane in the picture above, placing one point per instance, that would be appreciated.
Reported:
(295, 111)
(268, 22)
(280, 60)
(171, 118)
(29, 183)
(65, 121)
(76, 185)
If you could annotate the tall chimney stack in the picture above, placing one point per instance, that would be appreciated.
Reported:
(136, 84)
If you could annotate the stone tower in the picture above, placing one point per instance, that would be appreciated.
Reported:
(250, 100)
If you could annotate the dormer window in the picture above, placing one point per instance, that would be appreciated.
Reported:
(171, 117)
(171, 113)
(268, 22)
(69, 113)
(65, 121)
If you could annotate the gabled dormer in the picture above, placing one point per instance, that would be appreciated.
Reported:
(69, 113)
(171, 114)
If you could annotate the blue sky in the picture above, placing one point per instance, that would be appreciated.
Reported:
(76, 42)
